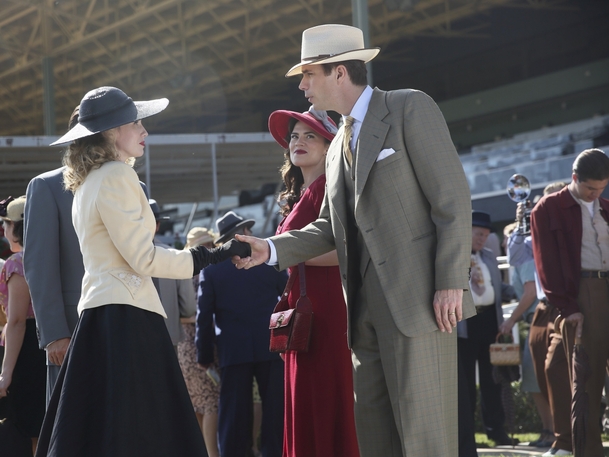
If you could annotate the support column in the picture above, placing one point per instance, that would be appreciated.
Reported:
(48, 80)
(360, 20)
(48, 97)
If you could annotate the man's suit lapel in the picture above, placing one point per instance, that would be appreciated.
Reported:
(370, 141)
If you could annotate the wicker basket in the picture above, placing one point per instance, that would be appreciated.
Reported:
(505, 353)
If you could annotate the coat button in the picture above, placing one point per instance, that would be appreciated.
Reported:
(345, 277)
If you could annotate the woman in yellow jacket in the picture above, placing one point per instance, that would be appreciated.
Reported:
(120, 391)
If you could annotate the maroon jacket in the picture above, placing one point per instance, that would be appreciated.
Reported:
(556, 229)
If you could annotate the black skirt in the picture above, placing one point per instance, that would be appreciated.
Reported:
(120, 391)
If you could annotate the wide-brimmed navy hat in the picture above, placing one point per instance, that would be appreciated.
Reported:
(481, 219)
(229, 224)
(107, 107)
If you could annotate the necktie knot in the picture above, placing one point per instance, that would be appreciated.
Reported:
(347, 139)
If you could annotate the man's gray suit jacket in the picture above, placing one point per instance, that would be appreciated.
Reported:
(178, 300)
(52, 259)
(412, 208)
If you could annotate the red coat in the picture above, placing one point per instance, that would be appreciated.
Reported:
(556, 229)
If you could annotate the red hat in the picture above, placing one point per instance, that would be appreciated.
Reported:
(319, 121)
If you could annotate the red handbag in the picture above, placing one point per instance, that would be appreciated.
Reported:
(291, 328)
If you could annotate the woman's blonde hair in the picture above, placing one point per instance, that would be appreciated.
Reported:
(87, 154)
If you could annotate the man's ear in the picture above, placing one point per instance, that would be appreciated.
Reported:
(341, 73)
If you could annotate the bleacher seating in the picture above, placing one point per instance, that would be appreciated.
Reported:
(543, 156)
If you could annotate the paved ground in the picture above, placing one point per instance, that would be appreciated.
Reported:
(509, 451)
(519, 451)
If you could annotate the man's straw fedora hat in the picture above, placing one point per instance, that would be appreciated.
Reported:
(330, 43)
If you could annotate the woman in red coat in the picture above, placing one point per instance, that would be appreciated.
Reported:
(318, 384)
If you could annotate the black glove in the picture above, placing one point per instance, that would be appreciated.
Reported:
(201, 256)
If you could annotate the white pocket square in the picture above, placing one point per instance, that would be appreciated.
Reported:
(385, 153)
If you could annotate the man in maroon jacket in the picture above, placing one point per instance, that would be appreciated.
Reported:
(570, 231)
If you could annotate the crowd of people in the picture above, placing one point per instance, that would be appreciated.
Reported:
(155, 351)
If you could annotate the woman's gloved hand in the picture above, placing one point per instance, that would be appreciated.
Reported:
(201, 256)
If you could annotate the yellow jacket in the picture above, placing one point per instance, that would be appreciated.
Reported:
(115, 228)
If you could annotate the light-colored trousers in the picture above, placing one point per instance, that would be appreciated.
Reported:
(405, 388)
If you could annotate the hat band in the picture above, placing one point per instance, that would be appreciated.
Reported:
(327, 56)
(320, 56)
(110, 109)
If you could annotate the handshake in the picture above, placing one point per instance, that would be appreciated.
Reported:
(203, 257)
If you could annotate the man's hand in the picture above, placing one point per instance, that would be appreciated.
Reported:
(577, 320)
(5, 382)
(506, 326)
(261, 252)
(520, 210)
(447, 305)
(56, 351)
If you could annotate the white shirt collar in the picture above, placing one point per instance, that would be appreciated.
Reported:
(359, 113)
(361, 105)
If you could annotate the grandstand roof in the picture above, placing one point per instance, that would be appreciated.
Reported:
(222, 62)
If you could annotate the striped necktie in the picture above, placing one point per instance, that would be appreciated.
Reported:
(348, 134)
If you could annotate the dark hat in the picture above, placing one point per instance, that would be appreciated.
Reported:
(279, 122)
(229, 224)
(156, 210)
(107, 107)
(481, 219)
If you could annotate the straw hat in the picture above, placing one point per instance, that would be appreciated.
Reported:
(330, 43)
(198, 236)
(12, 209)
(107, 107)
(279, 122)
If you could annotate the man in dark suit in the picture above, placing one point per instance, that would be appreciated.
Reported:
(177, 295)
(52, 263)
(477, 334)
(397, 210)
(53, 266)
(241, 303)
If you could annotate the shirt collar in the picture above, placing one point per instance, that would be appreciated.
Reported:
(361, 105)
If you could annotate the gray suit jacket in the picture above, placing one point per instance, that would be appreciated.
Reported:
(51, 257)
(412, 208)
(178, 299)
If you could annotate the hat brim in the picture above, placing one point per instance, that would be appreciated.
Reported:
(365, 55)
(279, 122)
(144, 109)
(225, 237)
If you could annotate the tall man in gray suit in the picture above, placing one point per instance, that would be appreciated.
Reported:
(177, 295)
(53, 266)
(397, 210)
